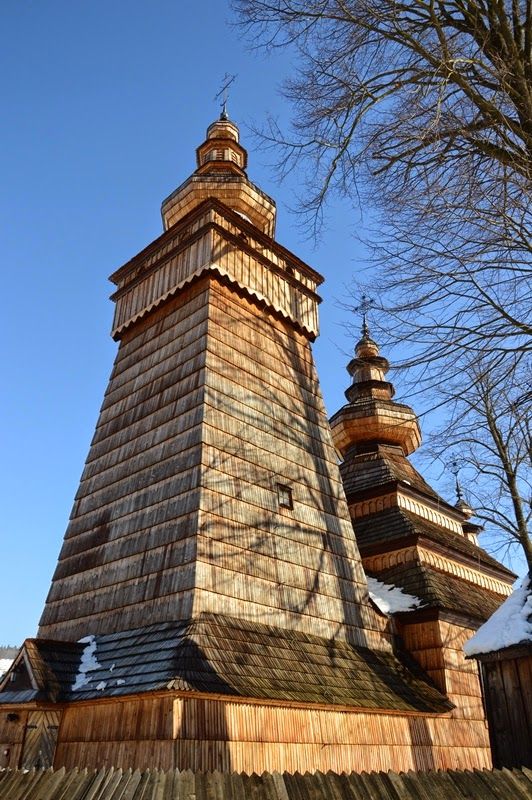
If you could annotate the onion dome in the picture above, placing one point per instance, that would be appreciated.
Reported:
(221, 151)
(371, 416)
(220, 173)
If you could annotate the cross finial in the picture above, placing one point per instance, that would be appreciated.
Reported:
(364, 306)
(455, 469)
(461, 503)
(227, 80)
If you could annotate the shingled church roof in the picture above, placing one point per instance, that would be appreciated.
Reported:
(385, 465)
(377, 531)
(441, 590)
(228, 656)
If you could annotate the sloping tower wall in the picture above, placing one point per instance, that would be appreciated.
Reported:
(211, 483)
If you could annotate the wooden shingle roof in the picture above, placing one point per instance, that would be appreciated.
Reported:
(224, 655)
(106, 784)
(442, 590)
(387, 464)
(377, 532)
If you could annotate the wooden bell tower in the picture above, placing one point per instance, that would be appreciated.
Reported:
(211, 483)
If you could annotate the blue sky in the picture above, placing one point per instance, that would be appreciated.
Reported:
(103, 105)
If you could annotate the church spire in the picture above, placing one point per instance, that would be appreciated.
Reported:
(371, 416)
(220, 173)
(365, 304)
(461, 503)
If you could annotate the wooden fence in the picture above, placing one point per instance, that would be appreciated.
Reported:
(113, 784)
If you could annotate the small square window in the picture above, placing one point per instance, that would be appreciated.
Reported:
(284, 493)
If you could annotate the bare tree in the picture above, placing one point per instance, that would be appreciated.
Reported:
(489, 433)
(423, 108)
(414, 85)
(425, 105)
(455, 275)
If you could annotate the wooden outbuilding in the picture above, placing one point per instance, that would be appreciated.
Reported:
(503, 648)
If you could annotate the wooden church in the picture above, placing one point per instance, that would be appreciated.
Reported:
(210, 607)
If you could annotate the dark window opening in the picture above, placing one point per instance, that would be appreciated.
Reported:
(284, 494)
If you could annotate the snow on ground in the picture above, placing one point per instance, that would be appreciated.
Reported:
(510, 624)
(5, 663)
(88, 662)
(390, 599)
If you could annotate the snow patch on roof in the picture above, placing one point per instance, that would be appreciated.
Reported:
(510, 624)
(87, 664)
(391, 599)
(5, 663)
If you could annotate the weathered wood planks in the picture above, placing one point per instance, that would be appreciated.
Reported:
(508, 689)
(204, 734)
(212, 242)
(184, 785)
(438, 647)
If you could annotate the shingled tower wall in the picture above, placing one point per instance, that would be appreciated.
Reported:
(211, 482)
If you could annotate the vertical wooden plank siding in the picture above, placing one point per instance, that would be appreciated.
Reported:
(203, 734)
(508, 688)
(12, 729)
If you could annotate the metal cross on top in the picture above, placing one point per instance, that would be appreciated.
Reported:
(455, 469)
(365, 304)
(227, 80)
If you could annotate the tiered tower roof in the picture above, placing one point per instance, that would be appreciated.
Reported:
(407, 533)
(371, 415)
